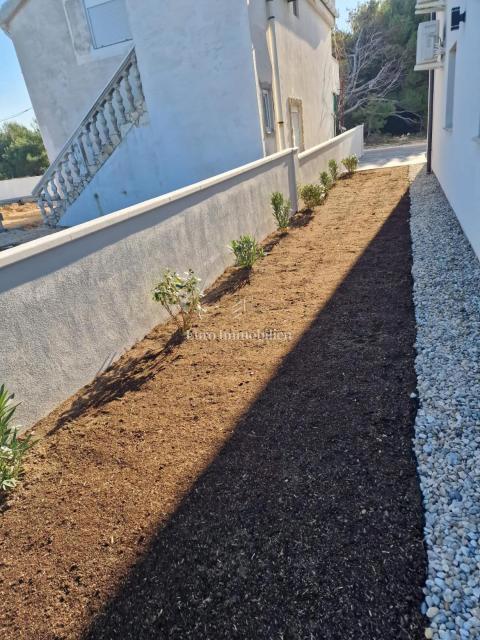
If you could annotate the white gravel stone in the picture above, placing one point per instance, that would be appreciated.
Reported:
(446, 276)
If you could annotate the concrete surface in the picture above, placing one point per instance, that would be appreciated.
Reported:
(393, 156)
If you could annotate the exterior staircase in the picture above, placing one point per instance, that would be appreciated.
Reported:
(120, 106)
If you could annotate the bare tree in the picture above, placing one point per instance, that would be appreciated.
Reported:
(358, 86)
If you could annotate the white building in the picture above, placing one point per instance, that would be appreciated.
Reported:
(449, 45)
(136, 98)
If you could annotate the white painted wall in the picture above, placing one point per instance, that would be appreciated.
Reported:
(313, 161)
(198, 78)
(308, 70)
(17, 189)
(73, 302)
(456, 152)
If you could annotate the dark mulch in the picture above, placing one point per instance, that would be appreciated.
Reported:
(251, 490)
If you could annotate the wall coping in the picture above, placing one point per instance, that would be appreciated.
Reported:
(40, 245)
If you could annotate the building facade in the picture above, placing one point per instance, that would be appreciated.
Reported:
(136, 98)
(449, 46)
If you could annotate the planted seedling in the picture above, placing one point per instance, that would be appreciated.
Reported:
(281, 211)
(247, 251)
(180, 297)
(12, 448)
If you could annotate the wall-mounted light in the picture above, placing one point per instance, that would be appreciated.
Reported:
(457, 17)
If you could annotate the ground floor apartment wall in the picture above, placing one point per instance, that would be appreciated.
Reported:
(456, 125)
(73, 302)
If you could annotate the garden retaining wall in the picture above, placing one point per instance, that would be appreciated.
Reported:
(313, 161)
(73, 302)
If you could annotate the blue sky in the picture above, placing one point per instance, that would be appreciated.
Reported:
(343, 7)
(13, 93)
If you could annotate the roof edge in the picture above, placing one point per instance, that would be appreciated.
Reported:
(8, 10)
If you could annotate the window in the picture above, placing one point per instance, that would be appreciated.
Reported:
(108, 21)
(267, 102)
(452, 62)
(294, 7)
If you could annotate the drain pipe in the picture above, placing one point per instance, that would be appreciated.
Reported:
(277, 92)
(431, 89)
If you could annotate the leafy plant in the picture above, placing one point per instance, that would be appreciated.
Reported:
(350, 163)
(180, 297)
(12, 448)
(21, 151)
(326, 180)
(281, 210)
(312, 195)
(247, 251)
(333, 168)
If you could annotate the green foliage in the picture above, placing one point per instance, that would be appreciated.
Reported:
(12, 448)
(333, 169)
(326, 180)
(21, 151)
(396, 22)
(281, 210)
(180, 297)
(312, 195)
(375, 115)
(350, 163)
(247, 251)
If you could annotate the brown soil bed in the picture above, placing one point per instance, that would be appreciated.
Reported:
(241, 488)
(26, 215)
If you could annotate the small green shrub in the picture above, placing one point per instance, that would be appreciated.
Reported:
(312, 195)
(247, 251)
(281, 210)
(180, 297)
(333, 168)
(12, 448)
(350, 163)
(326, 180)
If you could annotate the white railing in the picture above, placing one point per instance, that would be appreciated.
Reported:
(119, 107)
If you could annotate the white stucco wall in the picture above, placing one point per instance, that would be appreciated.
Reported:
(456, 152)
(198, 78)
(71, 303)
(308, 71)
(313, 161)
(64, 75)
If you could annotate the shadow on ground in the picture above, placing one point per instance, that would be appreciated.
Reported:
(117, 380)
(309, 522)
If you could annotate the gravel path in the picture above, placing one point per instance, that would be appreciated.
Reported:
(447, 299)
